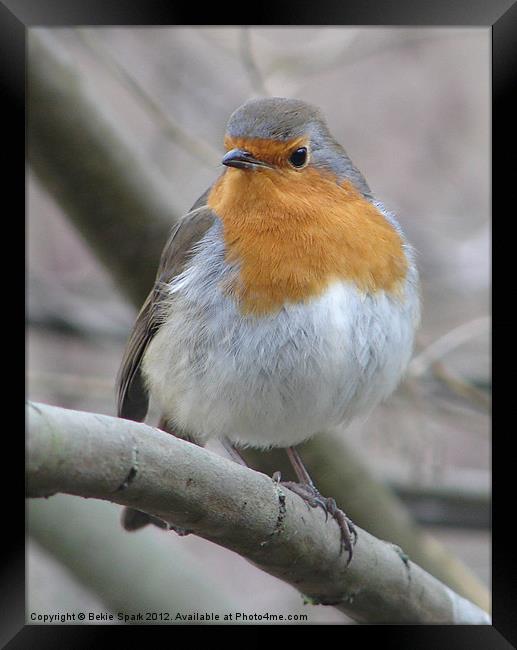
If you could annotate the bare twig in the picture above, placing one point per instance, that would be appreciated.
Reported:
(460, 386)
(318, 58)
(446, 344)
(431, 358)
(197, 148)
(93, 171)
(130, 463)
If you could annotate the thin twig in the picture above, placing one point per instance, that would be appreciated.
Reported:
(94, 172)
(446, 344)
(460, 386)
(197, 148)
(314, 59)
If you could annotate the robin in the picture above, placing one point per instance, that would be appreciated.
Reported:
(285, 302)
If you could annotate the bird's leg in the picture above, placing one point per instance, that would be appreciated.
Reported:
(233, 452)
(310, 494)
(299, 467)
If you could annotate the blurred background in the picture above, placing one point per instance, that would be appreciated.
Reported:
(411, 107)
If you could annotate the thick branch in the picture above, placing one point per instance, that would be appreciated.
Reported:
(133, 464)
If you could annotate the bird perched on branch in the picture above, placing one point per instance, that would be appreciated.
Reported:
(285, 302)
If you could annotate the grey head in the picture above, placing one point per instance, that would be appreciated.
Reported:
(278, 118)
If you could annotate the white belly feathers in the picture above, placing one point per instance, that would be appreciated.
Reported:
(274, 380)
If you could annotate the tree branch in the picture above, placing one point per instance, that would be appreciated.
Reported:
(202, 151)
(93, 171)
(446, 343)
(134, 573)
(130, 463)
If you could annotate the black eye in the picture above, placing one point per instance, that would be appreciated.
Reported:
(299, 157)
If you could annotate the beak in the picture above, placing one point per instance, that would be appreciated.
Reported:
(243, 160)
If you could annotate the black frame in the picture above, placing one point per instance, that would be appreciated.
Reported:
(499, 15)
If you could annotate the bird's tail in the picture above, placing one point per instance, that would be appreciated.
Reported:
(133, 519)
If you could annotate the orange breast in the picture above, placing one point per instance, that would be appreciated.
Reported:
(295, 232)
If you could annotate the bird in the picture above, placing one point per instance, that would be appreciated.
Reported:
(285, 303)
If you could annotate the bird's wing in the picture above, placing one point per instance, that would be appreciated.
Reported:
(132, 397)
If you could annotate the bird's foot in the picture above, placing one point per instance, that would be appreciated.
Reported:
(309, 493)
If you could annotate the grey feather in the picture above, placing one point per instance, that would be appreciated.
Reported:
(132, 397)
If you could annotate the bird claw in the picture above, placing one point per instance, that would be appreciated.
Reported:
(313, 498)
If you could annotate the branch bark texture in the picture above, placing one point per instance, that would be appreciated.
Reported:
(130, 463)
